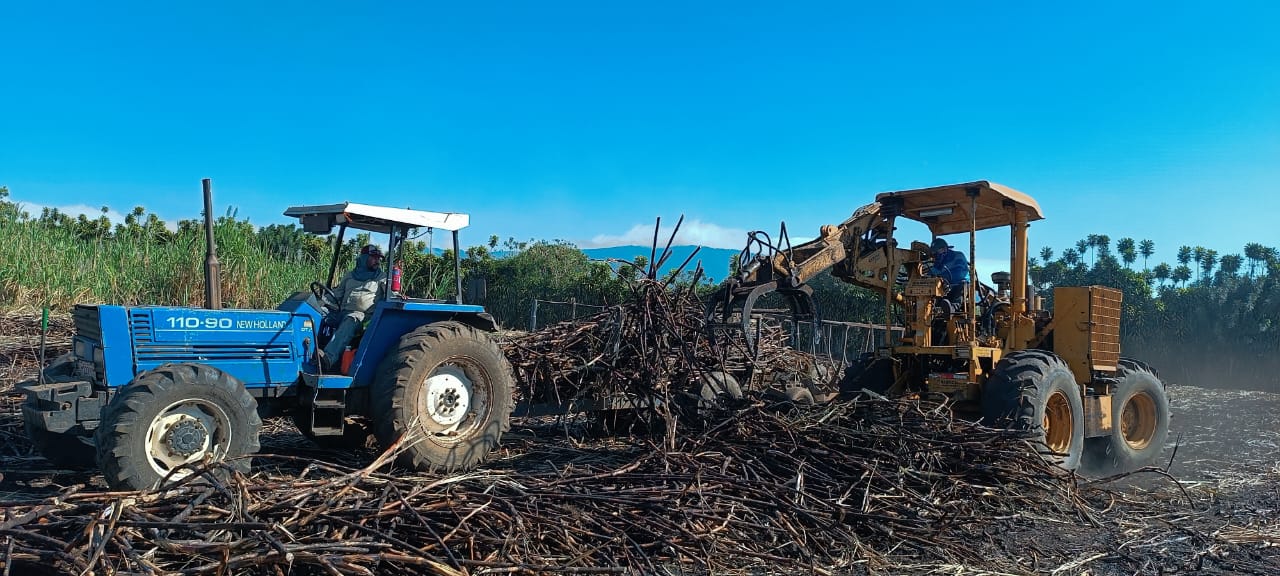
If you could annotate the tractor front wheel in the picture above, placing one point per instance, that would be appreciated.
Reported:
(1035, 391)
(172, 417)
(1139, 422)
(451, 384)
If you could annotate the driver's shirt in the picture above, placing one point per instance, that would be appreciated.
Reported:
(358, 296)
(952, 267)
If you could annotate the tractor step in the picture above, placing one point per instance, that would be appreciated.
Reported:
(328, 411)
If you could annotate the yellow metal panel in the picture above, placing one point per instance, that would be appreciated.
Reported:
(1071, 334)
(924, 287)
(1087, 332)
(953, 385)
(1097, 415)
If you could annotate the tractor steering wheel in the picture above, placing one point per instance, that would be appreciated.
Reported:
(327, 298)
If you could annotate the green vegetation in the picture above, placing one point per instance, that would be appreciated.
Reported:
(1208, 319)
(1217, 325)
(52, 259)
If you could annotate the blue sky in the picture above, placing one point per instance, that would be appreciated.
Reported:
(584, 121)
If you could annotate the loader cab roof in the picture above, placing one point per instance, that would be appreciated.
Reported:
(946, 209)
(321, 219)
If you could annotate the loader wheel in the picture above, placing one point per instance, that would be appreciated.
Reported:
(1035, 391)
(717, 390)
(869, 373)
(450, 383)
(171, 416)
(1140, 422)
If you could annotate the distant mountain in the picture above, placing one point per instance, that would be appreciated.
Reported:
(715, 261)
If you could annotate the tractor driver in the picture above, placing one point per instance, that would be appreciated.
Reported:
(355, 296)
(952, 267)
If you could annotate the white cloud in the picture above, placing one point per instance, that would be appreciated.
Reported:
(692, 232)
(91, 212)
(72, 210)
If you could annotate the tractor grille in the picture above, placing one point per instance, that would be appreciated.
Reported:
(86, 322)
(146, 349)
(140, 327)
(196, 352)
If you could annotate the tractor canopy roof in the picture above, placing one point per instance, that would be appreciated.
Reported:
(946, 209)
(321, 219)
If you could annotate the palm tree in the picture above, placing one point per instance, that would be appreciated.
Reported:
(1210, 258)
(1269, 255)
(1197, 254)
(1184, 255)
(1127, 253)
(1255, 253)
(1146, 248)
(1230, 264)
(1104, 244)
(1162, 272)
(1070, 257)
(1082, 247)
(1181, 274)
(1046, 254)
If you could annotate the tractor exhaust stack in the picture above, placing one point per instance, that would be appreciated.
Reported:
(212, 270)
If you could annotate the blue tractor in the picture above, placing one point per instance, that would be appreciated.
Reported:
(149, 391)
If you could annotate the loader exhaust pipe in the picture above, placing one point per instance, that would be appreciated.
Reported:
(212, 270)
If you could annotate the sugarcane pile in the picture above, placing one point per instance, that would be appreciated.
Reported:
(652, 346)
(642, 346)
(849, 484)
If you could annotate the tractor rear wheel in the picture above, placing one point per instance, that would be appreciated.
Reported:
(1034, 390)
(450, 383)
(173, 416)
(1140, 422)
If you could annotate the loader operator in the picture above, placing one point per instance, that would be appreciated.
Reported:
(952, 267)
(355, 295)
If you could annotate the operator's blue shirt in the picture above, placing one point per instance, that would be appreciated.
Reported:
(952, 267)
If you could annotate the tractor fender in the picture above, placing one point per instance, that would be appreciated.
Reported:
(481, 321)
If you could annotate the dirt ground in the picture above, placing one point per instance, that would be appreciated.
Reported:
(1215, 511)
